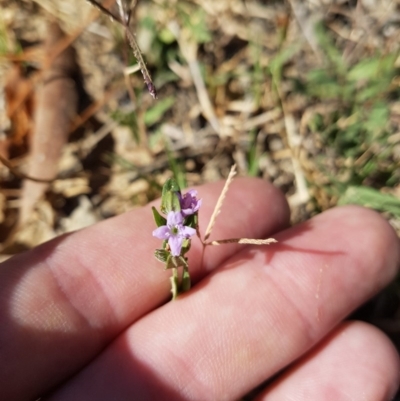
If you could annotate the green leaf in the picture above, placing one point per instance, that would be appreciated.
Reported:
(160, 220)
(171, 185)
(195, 22)
(329, 48)
(169, 198)
(192, 220)
(156, 113)
(174, 262)
(129, 119)
(166, 36)
(377, 119)
(186, 284)
(371, 198)
(161, 255)
(370, 92)
(372, 68)
(174, 284)
(176, 167)
(253, 156)
(186, 246)
(323, 84)
(183, 262)
(279, 60)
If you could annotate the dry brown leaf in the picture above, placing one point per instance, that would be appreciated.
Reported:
(83, 216)
(39, 229)
(19, 105)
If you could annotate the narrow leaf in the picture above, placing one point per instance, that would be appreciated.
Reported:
(169, 197)
(161, 255)
(186, 284)
(371, 198)
(160, 220)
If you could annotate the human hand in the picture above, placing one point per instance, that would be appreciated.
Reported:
(84, 316)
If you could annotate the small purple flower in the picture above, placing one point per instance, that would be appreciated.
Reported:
(189, 203)
(175, 232)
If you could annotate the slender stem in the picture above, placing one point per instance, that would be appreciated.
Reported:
(122, 12)
(106, 11)
(145, 72)
(123, 19)
(174, 282)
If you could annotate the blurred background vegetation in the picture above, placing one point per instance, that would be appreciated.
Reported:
(302, 93)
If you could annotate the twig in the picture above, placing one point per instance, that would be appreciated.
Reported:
(23, 176)
(107, 12)
(125, 16)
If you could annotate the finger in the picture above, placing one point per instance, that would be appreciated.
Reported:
(357, 361)
(64, 301)
(248, 320)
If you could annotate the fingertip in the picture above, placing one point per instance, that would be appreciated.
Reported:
(386, 358)
(371, 232)
(356, 358)
(358, 235)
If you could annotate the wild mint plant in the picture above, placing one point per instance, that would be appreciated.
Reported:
(180, 224)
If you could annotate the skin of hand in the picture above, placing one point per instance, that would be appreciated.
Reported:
(85, 316)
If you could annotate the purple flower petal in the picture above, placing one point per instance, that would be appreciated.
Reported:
(189, 203)
(162, 232)
(187, 232)
(175, 232)
(175, 243)
(174, 218)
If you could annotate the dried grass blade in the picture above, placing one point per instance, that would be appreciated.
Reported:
(218, 206)
(250, 241)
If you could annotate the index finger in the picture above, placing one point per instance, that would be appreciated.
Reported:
(61, 303)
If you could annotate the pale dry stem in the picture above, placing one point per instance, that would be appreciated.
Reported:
(250, 241)
(188, 49)
(220, 201)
